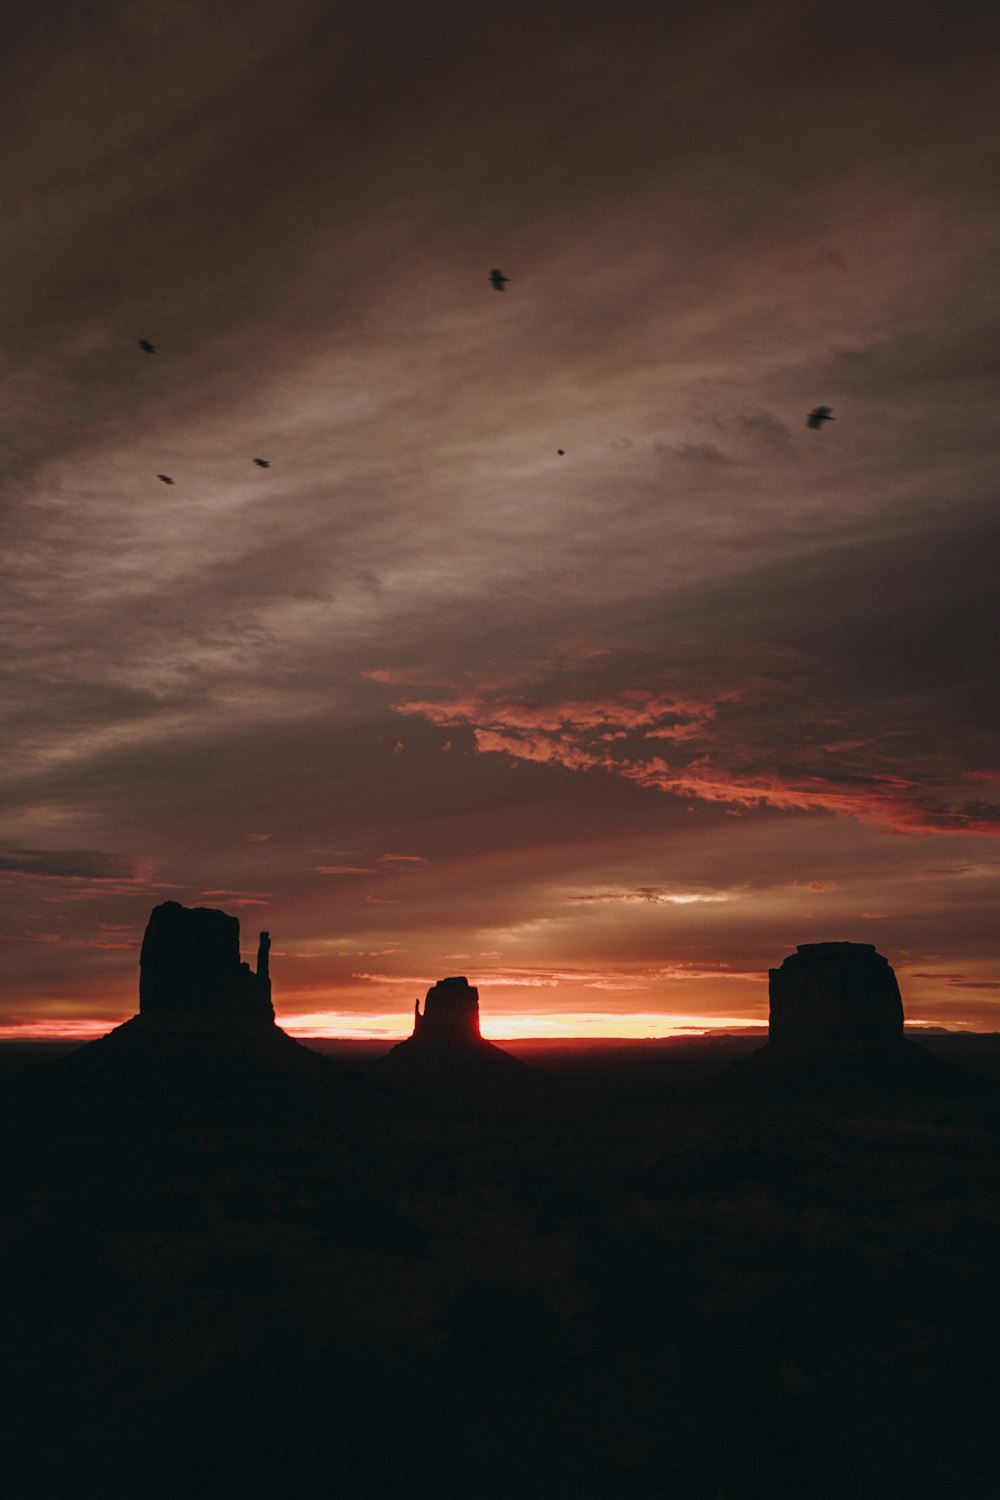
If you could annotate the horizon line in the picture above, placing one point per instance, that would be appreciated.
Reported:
(534, 1027)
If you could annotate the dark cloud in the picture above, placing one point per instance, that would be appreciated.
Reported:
(62, 864)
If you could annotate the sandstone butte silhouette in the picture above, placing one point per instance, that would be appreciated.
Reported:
(446, 1042)
(836, 1017)
(199, 1005)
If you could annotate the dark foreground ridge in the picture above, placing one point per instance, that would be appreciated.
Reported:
(200, 1008)
(446, 1040)
(836, 1019)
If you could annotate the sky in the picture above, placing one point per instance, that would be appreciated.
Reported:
(609, 730)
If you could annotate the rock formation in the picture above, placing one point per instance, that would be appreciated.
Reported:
(190, 972)
(201, 1010)
(835, 995)
(446, 1039)
(451, 1012)
(837, 1017)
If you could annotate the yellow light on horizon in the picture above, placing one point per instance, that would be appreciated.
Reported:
(501, 1026)
(392, 1026)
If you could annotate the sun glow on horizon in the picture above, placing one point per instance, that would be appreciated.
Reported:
(501, 1026)
(498, 1026)
(393, 1026)
(55, 1029)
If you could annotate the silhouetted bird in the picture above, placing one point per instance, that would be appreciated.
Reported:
(561, 452)
(147, 347)
(498, 280)
(166, 478)
(262, 463)
(819, 416)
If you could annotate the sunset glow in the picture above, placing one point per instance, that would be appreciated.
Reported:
(366, 1026)
(510, 1025)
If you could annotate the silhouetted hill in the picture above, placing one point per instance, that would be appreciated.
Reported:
(205, 1018)
(836, 1025)
(446, 1044)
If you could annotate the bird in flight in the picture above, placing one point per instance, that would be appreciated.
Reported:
(498, 280)
(819, 416)
(262, 463)
(147, 347)
(166, 478)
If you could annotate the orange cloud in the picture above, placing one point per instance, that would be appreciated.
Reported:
(608, 733)
(635, 708)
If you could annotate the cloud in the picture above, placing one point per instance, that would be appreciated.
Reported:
(663, 717)
(648, 896)
(733, 757)
(956, 981)
(722, 652)
(239, 898)
(62, 864)
(541, 977)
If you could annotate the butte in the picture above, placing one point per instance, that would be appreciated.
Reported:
(203, 1014)
(836, 1018)
(446, 1043)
